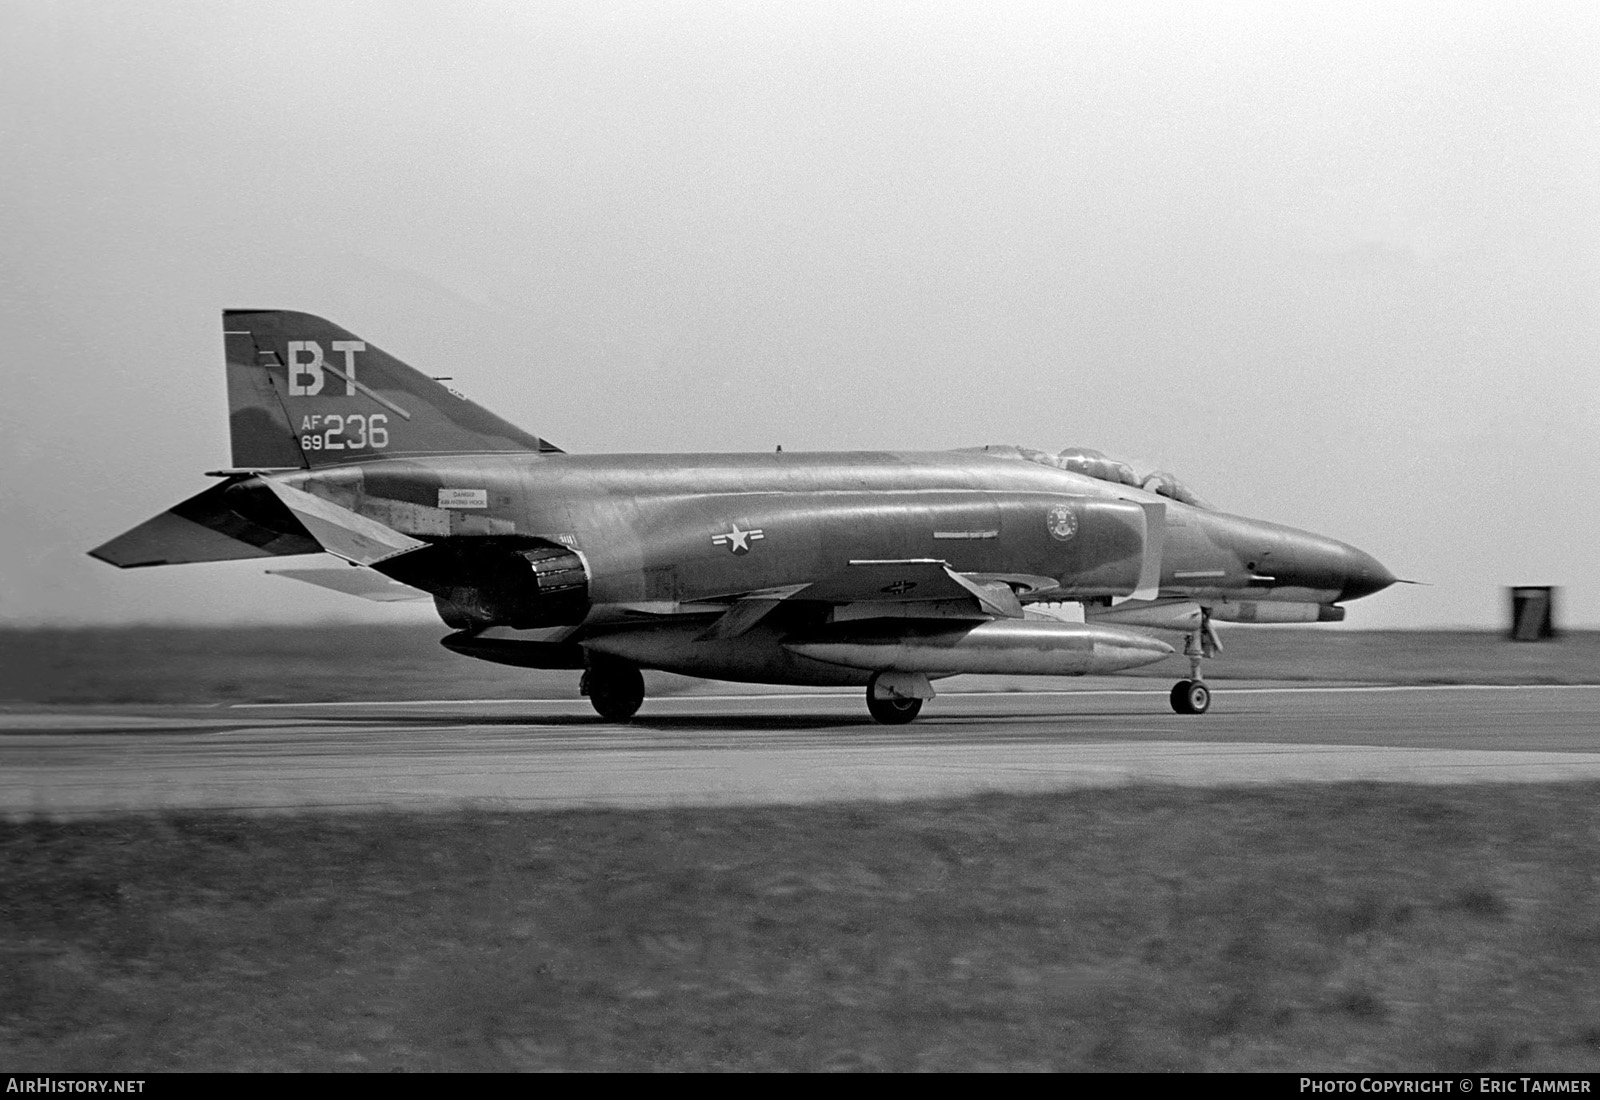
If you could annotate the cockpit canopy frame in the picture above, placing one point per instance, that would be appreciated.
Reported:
(1102, 467)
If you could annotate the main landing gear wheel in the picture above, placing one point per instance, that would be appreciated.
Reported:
(891, 710)
(615, 691)
(1191, 697)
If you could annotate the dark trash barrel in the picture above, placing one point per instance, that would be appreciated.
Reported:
(1533, 616)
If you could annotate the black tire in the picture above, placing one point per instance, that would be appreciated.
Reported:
(1190, 697)
(615, 691)
(891, 711)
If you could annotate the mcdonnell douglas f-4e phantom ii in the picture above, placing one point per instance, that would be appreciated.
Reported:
(881, 569)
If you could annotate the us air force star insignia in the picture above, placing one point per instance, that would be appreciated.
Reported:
(738, 541)
(1062, 522)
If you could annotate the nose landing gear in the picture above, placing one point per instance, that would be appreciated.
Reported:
(1192, 696)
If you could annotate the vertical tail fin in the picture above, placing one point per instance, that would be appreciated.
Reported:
(303, 392)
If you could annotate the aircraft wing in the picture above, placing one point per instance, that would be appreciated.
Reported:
(909, 580)
(899, 588)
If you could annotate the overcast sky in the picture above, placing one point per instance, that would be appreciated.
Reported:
(1334, 265)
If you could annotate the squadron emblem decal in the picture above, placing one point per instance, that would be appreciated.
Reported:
(1062, 522)
(738, 541)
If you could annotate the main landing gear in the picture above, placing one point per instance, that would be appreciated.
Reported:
(615, 691)
(894, 698)
(1192, 696)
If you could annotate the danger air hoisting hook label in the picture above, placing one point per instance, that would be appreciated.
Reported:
(463, 498)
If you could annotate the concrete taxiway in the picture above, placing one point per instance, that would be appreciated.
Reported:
(775, 748)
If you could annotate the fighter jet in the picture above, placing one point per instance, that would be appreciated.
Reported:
(884, 570)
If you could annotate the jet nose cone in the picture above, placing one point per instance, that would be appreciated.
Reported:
(1364, 575)
(1330, 566)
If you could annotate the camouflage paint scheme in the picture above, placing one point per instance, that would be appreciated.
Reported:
(719, 565)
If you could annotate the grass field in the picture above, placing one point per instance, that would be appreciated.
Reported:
(1354, 927)
(285, 664)
(1298, 928)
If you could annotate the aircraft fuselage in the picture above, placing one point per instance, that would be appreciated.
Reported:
(661, 531)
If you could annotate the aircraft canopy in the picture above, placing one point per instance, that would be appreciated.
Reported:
(1096, 464)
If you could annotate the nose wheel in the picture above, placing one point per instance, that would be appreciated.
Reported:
(1192, 696)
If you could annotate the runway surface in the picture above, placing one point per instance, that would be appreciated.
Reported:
(775, 748)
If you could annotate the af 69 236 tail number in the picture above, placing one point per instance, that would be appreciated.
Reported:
(333, 432)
